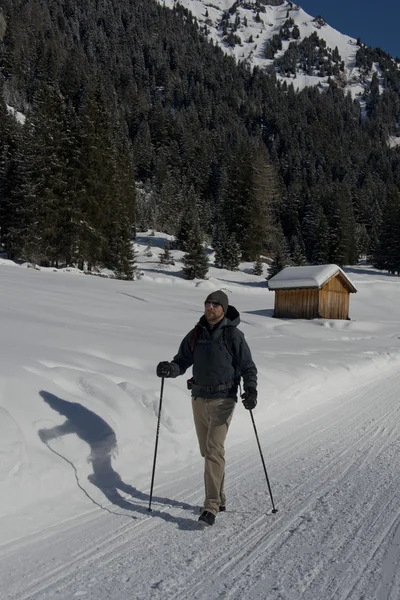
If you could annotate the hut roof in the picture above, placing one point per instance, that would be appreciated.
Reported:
(314, 276)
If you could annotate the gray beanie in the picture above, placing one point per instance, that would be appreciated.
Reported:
(221, 297)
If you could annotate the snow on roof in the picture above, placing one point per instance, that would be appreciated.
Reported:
(314, 276)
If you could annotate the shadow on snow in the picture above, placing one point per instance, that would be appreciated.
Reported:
(101, 438)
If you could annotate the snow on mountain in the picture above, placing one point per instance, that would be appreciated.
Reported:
(394, 141)
(254, 23)
(20, 117)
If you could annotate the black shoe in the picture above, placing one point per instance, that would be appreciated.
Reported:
(221, 508)
(207, 517)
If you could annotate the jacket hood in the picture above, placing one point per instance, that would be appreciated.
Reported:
(231, 318)
(232, 315)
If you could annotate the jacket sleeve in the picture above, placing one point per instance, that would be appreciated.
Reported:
(245, 363)
(184, 359)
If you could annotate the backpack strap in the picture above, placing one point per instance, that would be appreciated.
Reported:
(228, 340)
(193, 340)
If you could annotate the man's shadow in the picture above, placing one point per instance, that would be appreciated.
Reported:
(101, 438)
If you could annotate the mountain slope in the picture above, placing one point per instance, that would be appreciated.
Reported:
(243, 28)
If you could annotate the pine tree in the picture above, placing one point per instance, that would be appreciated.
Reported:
(250, 199)
(310, 228)
(119, 227)
(321, 249)
(227, 250)
(372, 97)
(124, 266)
(189, 218)
(280, 257)
(166, 257)
(342, 225)
(170, 202)
(43, 194)
(143, 151)
(258, 266)
(10, 140)
(279, 262)
(195, 260)
(98, 166)
(297, 256)
(22, 196)
(388, 253)
(232, 253)
(258, 222)
(362, 240)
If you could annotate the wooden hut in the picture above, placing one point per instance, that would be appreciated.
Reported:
(315, 292)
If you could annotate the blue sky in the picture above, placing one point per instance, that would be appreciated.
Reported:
(376, 23)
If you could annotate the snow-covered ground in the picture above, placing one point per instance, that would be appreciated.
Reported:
(77, 364)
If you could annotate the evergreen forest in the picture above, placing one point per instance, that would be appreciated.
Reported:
(134, 120)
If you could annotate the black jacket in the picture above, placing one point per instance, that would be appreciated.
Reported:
(215, 372)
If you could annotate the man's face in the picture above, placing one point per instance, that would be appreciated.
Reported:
(213, 312)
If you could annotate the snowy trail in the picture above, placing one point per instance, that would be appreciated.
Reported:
(335, 476)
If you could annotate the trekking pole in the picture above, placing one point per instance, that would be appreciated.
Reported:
(156, 445)
(274, 510)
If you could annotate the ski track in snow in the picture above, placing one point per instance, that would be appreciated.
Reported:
(324, 467)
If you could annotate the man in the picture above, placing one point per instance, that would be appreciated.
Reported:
(220, 355)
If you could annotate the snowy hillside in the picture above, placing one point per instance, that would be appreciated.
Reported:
(244, 27)
(77, 365)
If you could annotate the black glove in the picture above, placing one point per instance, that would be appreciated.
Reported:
(250, 398)
(164, 369)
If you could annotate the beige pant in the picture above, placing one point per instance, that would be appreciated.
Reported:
(212, 419)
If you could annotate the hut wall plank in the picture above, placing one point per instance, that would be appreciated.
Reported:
(300, 304)
(333, 305)
(334, 285)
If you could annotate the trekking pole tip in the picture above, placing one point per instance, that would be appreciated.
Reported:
(274, 510)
